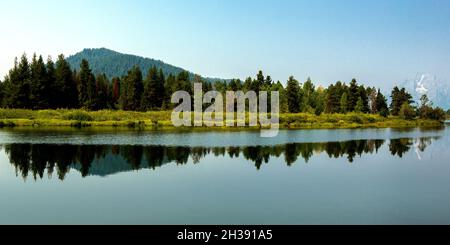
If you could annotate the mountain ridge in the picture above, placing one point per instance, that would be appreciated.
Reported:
(116, 64)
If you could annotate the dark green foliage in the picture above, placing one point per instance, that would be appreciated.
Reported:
(115, 64)
(64, 91)
(102, 98)
(426, 110)
(359, 105)
(334, 96)
(344, 103)
(132, 89)
(153, 96)
(381, 104)
(364, 99)
(39, 84)
(115, 93)
(78, 116)
(406, 111)
(399, 97)
(85, 77)
(293, 95)
(17, 85)
(353, 95)
(308, 100)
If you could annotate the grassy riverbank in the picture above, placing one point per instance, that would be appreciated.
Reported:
(161, 120)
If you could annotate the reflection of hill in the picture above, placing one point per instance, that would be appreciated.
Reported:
(111, 164)
(104, 160)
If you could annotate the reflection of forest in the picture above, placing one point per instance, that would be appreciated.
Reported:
(104, 160)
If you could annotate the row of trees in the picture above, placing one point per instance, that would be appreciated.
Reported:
(36, 159)
(42, 85)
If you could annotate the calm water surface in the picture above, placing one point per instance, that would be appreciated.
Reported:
(367, 176)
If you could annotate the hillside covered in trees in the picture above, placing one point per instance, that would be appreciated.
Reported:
(43, 84)
(115, 64)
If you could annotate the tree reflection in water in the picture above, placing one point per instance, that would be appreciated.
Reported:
(103, 160)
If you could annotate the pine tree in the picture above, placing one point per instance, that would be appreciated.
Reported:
(168, 91)
(92, 102)
(51, 80)
(333, 99)
(132, 89)
(39, 84)
(17, 85)
(65, 87)
(268, 82)
(353, 95)
(399, 97)
(364, 98)
(102, 92)
(115, 93)
(85, 78)
(344, 102)
(153, 95)
(293, 95)
(307, 98)
(359, 105)
(381, 104)
(259, 82)
(283, 101)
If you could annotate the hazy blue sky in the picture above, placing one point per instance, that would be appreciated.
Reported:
(378, 42)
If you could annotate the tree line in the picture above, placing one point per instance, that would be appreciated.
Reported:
(39, 158)
(48, 85)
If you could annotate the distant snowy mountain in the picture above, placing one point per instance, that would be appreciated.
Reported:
(437, 90)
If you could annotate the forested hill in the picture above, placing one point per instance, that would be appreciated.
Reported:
(115, 64)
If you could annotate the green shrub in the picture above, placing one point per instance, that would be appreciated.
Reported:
(407, 112)
(356, 119)
(371, 119)
(78, 116)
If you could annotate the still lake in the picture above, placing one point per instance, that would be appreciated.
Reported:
(358, 176)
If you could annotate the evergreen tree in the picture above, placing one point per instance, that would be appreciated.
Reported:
(353, 95)
(359, 105)
(268, 81)
(85, 80)
(153, 94)
(64, 86)
(364, 98)
(381, 104)
(115, 93)
(102, 92)
(132, 89)
(259, 82)
(51, 78)
(17, 85)
(344, 102)
(168, 91)
(92, 101)
(183, 83)
(39, 84)
(235, 85)
(320, 97)
(283, 101)
(399, 97)
(293, 95)
(248, 84)
(308, 96)
(332, 99)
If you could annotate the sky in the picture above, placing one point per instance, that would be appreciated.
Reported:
(378, 42)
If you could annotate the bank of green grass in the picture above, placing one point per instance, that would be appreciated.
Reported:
(161, 120)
